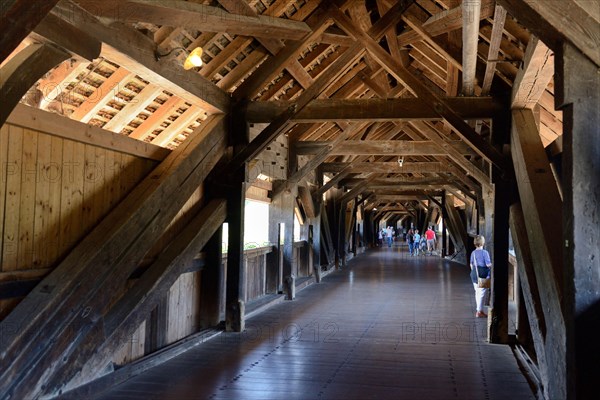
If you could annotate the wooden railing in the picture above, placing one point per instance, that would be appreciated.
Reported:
(256, 268)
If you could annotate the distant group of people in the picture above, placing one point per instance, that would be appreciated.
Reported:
(421, 243)
(417, 243)
(386, 234)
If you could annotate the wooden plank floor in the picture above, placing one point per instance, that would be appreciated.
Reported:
(387, 327)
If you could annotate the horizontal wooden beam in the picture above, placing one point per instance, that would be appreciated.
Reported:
(388, 167)
(403, 197)
(392, 190)
(135, 51)
(397, 182)
(66, 128)
(323, 110)
(384, 147)
(194, 16)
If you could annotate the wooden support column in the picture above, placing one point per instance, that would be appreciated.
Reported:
(236, 273)
(444, 225)
(211, 281)
(578, 91)
(498, 329)
(236, 198)
(341, 234)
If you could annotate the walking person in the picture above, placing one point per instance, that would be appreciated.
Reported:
(417, 241)
(410, 240)
(430, 236)
(480, 274)
(389, 233)
(423, 245)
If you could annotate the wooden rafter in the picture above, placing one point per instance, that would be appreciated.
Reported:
(496, 38)
(102, 95)
(153, 121)
(133, 108)
(176, 127)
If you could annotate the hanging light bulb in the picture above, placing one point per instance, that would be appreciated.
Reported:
(194, 60)
(400, 161)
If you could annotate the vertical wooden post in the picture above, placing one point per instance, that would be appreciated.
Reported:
(488, 220)
(354, 226)
(281, 215)
(236, 196)
(444, 216)
(341, 234)
(210, 292)
(578, 92)
(236, 274)
(498, 332)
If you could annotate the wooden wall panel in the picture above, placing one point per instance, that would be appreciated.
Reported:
(133, 348)
(256, 276)
(183, 307)
(52, 192)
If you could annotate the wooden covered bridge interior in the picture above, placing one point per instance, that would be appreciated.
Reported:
(120, 167)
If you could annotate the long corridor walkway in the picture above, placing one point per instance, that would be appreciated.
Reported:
(387, 327)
